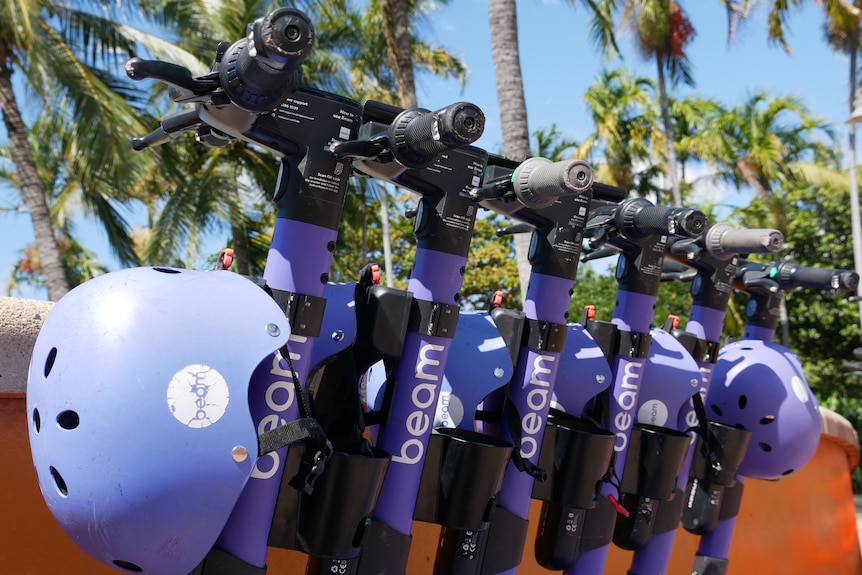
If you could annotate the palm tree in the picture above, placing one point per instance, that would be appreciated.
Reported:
(841, 29)
(764, 141)
(624, 111)
(663, 31)
(58, 165)
(56, 48)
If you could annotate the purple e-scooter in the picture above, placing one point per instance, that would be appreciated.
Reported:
(759, 386)
(640, 231)
(443, 227)
(679, 367)
(555, 206)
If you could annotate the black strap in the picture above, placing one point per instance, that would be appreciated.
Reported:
(702, 427)
(513, 424)
(289, 433)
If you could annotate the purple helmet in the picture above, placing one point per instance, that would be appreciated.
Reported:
(759, 386)
(670, 378)
(138, 408)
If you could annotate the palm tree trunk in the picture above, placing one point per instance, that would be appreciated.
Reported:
(503, 19)
(676, 196)
(399, 51)
(31, 186)
(240, 249)
(399, 48)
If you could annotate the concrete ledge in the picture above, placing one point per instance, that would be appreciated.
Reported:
(21, 319)
(836, 428)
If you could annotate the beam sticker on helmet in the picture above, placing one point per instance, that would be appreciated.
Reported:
(198, 396)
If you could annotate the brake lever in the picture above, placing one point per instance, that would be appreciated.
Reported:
(186, 88)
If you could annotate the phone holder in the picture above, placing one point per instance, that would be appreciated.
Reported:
(713, 469)
(654, 459)
(331, 522)
(461, 477)
(576, 455)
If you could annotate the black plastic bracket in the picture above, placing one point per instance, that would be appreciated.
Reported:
(704, 565)
(669, 513)
(702, 350)
(510, 324)
(218, 562)
(614, 341)
(433, 318)
(304, 312)
(386, 550)
(504, 545)
(546, 336)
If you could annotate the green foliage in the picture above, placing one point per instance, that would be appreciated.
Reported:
(491, 266)
(824, 326)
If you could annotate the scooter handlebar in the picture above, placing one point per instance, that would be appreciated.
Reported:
(723, 241)
(538, 182)
(417, 137)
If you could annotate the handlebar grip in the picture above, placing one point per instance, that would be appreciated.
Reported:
(723, 241)
(417, 137)
(608, 192)
(538, 182)
(258, 77)
(638, 218)
(171, 126)
(374, 111)
(791, 274)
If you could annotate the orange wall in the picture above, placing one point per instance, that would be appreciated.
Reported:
(804, 524)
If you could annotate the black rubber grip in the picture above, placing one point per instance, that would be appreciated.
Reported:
(608, 192)
(791, 274)
(259, 76)
(538, 182)
(171, 126)
(637, 219)
(374, 111)
(417, 137)
(723, 241)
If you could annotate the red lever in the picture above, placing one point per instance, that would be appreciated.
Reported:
(225, 259)
(375, 274)
(591, 312)
(620, 509)
(498, 298)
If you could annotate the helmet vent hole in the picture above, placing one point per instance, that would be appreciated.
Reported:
(715, 409)
(59, 481)
(788, 472)
(764, 446)
(37, 420)
(164, 271)
(128, 566)
(49, 361)
(742, 401)
(767, 420)
(68, 420)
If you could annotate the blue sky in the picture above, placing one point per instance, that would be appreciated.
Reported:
(559, 63)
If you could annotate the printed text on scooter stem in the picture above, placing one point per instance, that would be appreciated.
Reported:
(423, 396)
(283, 387)
(627, 399)
(532, 423)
